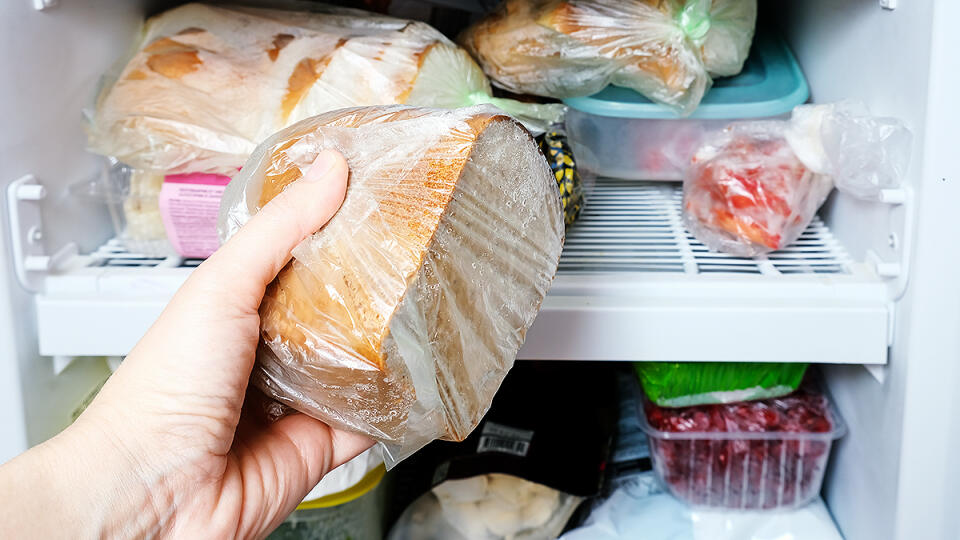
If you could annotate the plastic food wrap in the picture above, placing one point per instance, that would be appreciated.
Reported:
(746, 193)
(400, 318)
(682, 384)
(486, 507)
(207, 84)
(758, 455)
(664, 49)
(754, 187)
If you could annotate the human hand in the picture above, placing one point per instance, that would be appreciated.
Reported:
(164, 448)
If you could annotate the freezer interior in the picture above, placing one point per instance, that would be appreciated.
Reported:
(879, 316)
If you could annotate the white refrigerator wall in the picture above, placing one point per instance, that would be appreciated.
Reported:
(51, 64)
(893, 475)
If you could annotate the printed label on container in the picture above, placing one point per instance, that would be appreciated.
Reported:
(504, 439)
(189, 205)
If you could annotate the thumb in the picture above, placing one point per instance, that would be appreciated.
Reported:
(263, 245)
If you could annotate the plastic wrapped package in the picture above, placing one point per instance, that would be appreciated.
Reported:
(863, 154)
(664, 49)
(486, 507)
(556, 149)
(206, 84)
(754, 187)
(400, 318)
(768, 454)
(637, 504)
(682, 384)
(746, 193)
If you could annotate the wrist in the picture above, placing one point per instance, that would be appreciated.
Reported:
(93, 489)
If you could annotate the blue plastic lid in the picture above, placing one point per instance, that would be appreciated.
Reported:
(770, 84)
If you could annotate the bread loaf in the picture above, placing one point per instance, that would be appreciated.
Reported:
(664, 49)
(400, 318)
(206, 84)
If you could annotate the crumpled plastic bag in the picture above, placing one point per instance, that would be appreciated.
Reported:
(664, 49)
(639, 504)
(206, 84)
(400, 318)
(755, 186)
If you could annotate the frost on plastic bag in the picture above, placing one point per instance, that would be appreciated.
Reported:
(746, 193)
(400, 318)
(664, 49)
(754, 187)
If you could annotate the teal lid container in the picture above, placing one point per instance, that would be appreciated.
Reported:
(771, 84)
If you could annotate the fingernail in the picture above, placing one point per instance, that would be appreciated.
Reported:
(321, 166)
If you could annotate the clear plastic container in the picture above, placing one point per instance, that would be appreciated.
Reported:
(132, 200)
(744, 470)
(356, 513)
(618, 133)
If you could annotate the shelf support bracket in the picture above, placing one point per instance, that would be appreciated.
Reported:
(30, 258)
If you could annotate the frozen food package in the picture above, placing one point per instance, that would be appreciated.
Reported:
(400, 318)
(555, 147)
(486, 507)
(682, 384)
(755, 186)
(664, 49)
(746, 193)
(768, 454)
(206, 84)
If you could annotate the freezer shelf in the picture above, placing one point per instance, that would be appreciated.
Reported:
(632, 285)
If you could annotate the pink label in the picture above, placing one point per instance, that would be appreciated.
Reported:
(189, 205)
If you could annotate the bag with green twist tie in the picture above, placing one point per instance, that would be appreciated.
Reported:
(683, 384)
(667, 50)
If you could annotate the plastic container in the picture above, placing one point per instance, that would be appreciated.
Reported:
(619, 133)
(744, 470)
(356, 513)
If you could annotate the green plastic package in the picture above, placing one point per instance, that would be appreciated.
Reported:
(682, 384)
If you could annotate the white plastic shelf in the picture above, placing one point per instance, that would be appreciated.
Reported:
(632, 285)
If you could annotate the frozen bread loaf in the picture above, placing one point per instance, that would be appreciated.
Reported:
(400, 318)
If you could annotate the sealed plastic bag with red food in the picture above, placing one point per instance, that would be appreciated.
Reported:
(746, 192)
(755, 186)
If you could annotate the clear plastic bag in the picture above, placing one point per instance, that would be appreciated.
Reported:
(664, 49)
(400, 318)
(486, 507)
(746, 193)
(754, 187)
(864, 154)
(206, 84)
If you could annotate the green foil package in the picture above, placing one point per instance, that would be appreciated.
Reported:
(683, 384)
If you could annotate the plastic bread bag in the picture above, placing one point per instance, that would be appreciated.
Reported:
(754, 187)
(400, 318)
(664, 49)
(683, 384)
(206, 84)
